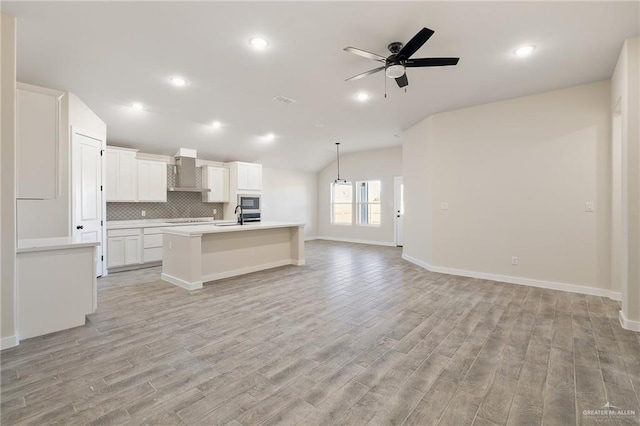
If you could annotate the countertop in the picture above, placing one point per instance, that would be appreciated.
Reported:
(152, 223)
(196, 230)
(54, 243)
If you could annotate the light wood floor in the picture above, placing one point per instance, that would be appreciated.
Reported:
(356, 336)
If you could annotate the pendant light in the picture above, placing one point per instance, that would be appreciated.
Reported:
(338, 180)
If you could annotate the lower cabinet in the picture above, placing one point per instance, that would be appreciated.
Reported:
(124, 247)
(152, 245)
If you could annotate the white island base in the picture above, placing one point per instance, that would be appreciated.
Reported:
(193, 255)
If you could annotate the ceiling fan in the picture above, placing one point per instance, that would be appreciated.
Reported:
(395, 64)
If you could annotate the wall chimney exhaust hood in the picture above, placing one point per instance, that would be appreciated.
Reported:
(185, 171)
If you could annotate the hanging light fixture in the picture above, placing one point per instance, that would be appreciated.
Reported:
(338, 180)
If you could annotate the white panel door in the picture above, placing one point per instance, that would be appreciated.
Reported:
(398, 206)
(87, 191)
(132, 250)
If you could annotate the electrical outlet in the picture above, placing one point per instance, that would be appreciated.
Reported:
(143, 213)
(514, 260)
(588, 207)
(444, 206)
(215, 211)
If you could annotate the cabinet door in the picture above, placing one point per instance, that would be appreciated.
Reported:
(38, 135)
(254, 177)
(127, 176)
(219, 185)
(115, 251)
(132, 250)
(152, 181)
(243, 176)
(112, 175)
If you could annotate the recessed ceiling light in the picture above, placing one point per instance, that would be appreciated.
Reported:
(320, 125)
(362, 96)
(259, 43)
(525, 50)
(137, 106)
(178, 81)
(270, 137)
(216, 124)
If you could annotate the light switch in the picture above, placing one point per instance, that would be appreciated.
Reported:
(444, 206)
(588, 206)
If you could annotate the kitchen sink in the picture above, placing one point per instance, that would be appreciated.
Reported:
(189, 221)
(228, 224)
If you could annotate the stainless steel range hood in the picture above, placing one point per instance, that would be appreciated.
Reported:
(185, 170)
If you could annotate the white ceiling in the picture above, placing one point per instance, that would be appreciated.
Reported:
(114, 53)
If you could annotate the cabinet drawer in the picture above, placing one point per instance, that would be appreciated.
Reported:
(123, 232)
(151, 231)
(151, 241)
(152, 254)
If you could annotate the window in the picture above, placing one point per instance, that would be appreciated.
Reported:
(368, 202)
(342, 203)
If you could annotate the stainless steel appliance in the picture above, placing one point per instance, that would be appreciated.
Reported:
(250, 207)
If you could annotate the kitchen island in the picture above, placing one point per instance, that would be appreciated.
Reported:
(193, 255)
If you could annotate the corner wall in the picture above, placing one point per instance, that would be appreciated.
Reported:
(625, 110)
(8, 335)
(516, 176)
(290, 196)
(379, 164)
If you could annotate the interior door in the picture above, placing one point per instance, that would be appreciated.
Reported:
(87, 191)
(398, 208)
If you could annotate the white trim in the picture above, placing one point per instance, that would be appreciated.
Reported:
(311, 238)
(181, 283)
(9, 342)
(250, 269)
(628, 324)
(353, 240)
(551, 285)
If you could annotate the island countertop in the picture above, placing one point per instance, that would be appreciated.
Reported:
(197, 230)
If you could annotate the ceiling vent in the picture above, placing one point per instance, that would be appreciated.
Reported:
(284, 99)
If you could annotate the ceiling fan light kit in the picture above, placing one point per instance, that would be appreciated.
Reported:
(395, 64)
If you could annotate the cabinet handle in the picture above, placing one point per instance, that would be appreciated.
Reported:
(79, 227)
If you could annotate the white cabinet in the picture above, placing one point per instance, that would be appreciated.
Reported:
(38, 142)
(122, 174)
(152, 245)
(217, 180)
(152, 181)
(124, 247)
(249, 176)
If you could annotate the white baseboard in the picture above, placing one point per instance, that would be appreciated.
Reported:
(551, 285)
(9, 342)
(352, 240)
(628, 324)
(315, 237)
(181, 283)
(250, 269)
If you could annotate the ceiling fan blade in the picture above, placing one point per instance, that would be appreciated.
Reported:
(365, 54)
(415, 43)
(402, 81)
(364, 74)
(431, 62)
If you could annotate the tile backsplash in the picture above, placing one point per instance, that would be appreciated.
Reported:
(179, 204)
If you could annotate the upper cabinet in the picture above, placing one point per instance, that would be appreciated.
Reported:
(122, 174)
(152, 181)
(247, 176)
(217, 180)
(38, 142)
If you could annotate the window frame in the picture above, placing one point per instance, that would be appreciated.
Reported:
(359, 203)
(332, 203)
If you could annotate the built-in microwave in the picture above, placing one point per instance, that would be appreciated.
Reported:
(250, 207)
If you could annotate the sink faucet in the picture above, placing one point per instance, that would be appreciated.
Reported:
(240, 216)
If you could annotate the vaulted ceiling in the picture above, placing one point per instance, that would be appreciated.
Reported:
(112, 54)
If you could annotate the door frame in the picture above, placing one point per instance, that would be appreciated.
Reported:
(74, 130)
(396, 201)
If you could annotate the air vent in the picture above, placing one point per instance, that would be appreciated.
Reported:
(284, 99)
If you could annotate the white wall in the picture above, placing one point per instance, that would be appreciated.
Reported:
(380, 164)
(8, 335)
(516, 175)
(290, 196)
(52, 218)
(625, 255)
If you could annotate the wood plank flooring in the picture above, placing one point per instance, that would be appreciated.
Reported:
(357, 336)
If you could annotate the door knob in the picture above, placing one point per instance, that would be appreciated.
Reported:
(79, 227)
